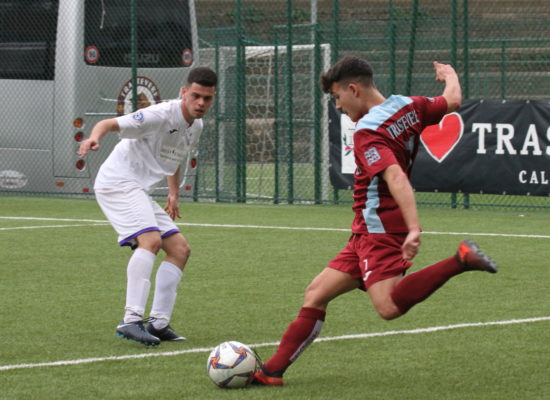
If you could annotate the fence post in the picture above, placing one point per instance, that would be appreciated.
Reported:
(503, 70)
(466, 200)
(134, 50)
(465, 51)
(289, 105)
(334, 54)
(392, 38)
(241, 109)
(412, 45)
(217, 123)
(335, 30)
(317, 114)
(277, 190)
(453, 33)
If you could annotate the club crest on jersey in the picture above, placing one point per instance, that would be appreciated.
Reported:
(138, 116)
(372, 155)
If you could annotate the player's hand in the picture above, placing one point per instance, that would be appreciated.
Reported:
(86, 146)
(442, 71)
(172, 207)
(411, 245)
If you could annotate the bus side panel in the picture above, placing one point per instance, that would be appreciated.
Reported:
(29, 125)
(25, 170)
(26, 136)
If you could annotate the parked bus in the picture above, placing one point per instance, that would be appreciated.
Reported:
(65, 65)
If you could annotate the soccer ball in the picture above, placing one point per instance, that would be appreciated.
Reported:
(231, 365)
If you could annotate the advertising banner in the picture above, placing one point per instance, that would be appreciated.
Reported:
(487, 146)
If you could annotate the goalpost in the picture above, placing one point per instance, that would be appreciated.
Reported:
(285, 140)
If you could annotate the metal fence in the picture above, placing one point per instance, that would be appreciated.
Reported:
(266, 137)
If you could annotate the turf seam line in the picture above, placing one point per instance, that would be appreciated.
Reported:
(325, 339)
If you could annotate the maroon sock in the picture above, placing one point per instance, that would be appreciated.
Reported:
(419, 285)
(299, 334)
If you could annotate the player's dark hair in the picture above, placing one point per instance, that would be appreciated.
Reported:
(348, 69)
(203, 76)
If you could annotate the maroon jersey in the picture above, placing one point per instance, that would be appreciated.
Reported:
(388, 134)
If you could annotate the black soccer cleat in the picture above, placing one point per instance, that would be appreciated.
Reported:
(165, 334)
(471, 258)
(136, 331)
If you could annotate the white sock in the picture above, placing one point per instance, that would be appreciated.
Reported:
(166, 287)
(139, 271)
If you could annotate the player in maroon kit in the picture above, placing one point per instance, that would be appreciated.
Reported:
(385, 231)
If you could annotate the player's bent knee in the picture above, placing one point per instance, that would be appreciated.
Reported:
(314, 299)
(179, 251)
(311, 293)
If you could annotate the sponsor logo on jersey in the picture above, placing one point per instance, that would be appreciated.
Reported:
(405, 122)
(171, 153)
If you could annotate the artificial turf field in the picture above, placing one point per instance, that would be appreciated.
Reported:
(62, 284)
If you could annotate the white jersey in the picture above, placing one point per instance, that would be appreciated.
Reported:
(154, 142)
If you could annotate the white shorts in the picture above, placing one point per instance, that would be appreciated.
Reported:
(131, 212)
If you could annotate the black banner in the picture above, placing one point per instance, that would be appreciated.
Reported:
(489, 146)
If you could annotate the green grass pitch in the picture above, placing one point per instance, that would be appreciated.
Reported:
(62, 283)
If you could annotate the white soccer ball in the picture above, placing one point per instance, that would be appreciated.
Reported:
(231, 365)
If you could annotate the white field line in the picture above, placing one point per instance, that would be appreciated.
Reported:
(296, 228)
(52, 219)
(325, 339)
(489, 234)
(13, 228)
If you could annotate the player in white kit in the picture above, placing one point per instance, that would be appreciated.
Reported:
(154, 142)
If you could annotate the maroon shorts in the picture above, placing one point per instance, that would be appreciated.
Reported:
(372, 258)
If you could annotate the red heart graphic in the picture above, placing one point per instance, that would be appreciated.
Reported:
(439, 140)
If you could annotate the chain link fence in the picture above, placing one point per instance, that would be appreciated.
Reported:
(67, 64)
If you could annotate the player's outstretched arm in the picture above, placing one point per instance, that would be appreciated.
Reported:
(452, 92)
(98, 132)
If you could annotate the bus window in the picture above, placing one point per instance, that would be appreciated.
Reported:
(164, 33)
(27, 39)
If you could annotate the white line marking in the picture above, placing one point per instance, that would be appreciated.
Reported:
(517, 235)
(326, 339)
(437, 329)
(52, 219)
(50, 226)
(288, 228)
(296, 228)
